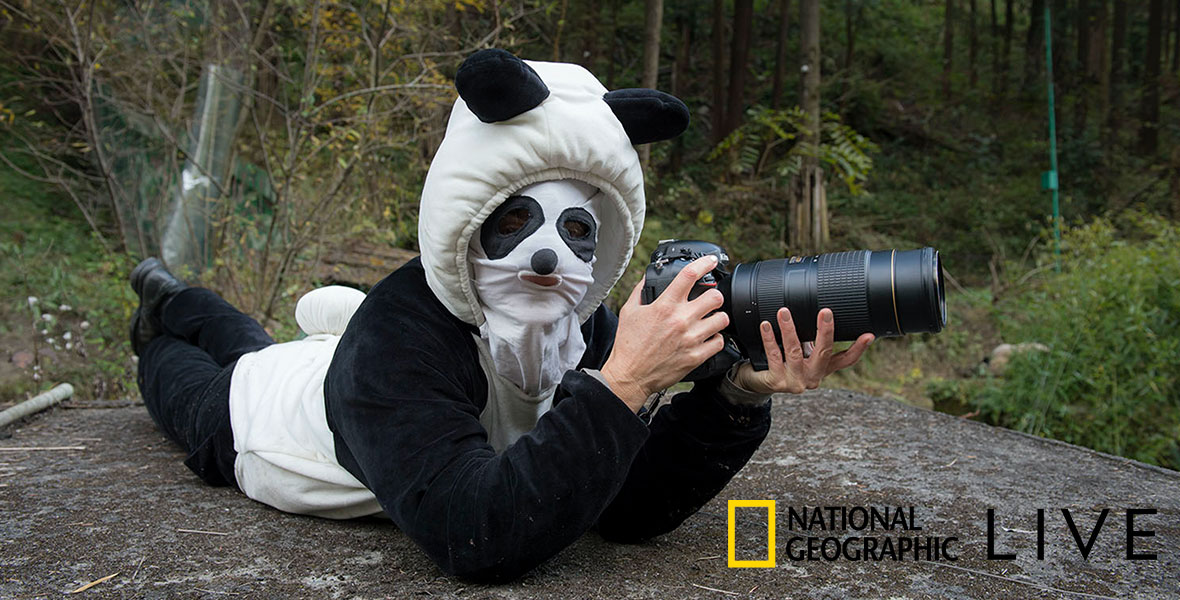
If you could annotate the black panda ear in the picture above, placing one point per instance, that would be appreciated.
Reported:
(648, 115)
(498, 86)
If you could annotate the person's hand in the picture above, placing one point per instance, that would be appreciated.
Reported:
(657, 344)
(796, 373)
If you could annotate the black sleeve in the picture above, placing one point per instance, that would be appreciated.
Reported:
(697, 443)
(401, 398)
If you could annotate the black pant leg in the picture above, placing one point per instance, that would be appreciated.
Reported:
(187, 395)
(204, 319)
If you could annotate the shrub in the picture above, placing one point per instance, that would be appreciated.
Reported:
(1111, 318)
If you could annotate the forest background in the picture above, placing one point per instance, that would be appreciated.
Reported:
(301, 130)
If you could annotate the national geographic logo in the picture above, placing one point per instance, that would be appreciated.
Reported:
(888, 533)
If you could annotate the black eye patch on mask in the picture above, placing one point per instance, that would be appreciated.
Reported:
(513, 221)
(577, 227)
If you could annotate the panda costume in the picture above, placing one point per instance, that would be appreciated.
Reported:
(460, 397)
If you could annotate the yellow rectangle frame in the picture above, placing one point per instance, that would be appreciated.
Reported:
(769, 505)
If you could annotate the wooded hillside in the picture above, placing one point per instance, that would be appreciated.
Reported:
(290, 129)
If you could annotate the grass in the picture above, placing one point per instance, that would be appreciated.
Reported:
(64, 300)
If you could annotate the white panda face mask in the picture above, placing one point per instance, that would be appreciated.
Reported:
(534, 259)
(532, 263)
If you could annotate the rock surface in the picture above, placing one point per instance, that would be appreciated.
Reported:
(125, 505)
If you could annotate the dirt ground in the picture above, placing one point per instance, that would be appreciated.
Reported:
(117, 501)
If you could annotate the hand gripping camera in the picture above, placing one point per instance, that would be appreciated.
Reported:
(885, 292)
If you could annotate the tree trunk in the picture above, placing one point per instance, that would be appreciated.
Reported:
(1176, 41)
(680, 66)
(1149, 110)
(1166, 40)
(849, 33)
(718, 70)
(780, 54)
(652, 19)
(948, 48)
(995, 47)
(679, 87)
(612, 59)
(1006, 62)
(808, 205)
(1061, 70)
(1118, 63)
(1082, 72)
(1098, 61)
(1034, 48)
(810, 32)
(590, 20)
(739, 58)
(972, 49)
(560, 29)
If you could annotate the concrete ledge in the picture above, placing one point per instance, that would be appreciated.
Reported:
(69, 517)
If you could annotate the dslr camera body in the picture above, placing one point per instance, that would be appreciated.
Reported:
(885, 292)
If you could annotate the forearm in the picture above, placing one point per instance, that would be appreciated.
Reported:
(697, 444)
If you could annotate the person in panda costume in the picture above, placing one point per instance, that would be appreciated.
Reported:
(482, 397)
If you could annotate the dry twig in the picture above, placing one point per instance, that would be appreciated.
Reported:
(202, 532)
(94, 583)
(705, 587)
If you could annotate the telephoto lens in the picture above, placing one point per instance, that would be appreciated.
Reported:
(885, 292)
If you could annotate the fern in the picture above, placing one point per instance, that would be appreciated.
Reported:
(769, 142)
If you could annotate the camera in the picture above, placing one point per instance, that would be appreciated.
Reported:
(883, 292)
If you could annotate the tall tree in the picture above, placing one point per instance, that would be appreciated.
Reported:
(1118, 66)
(1149, 110)
(612, 59)
(1176, 38)
(948, 47)
(1034, 49)
(680, 77)
(807, 207)
(591, 15)
(718, 112)
(1098, 60)
(1082, 72)
(780, 54)
(851, 11)
(972, 49)
(1060, 25)
(739, 63)
(995, 48)
(1006, 63)
(1166, 41)
(653, 19)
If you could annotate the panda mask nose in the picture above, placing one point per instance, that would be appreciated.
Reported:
(544, 261)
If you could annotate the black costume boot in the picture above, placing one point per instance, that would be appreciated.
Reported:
(153, 284)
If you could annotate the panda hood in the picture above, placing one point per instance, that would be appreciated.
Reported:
(518, 123)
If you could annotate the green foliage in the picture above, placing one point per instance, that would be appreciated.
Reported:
(755, 148)
(1111, 318)
(65, 298)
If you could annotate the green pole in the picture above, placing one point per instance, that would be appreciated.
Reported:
(1049, 178)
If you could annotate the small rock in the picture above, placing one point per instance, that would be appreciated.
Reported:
(997, 363)
(22, 359)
